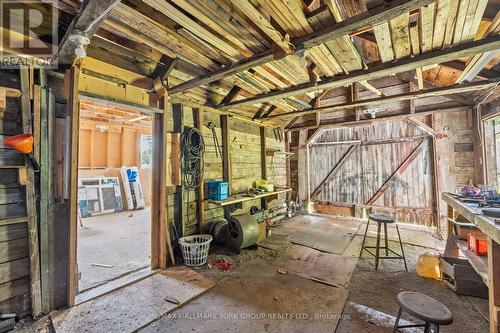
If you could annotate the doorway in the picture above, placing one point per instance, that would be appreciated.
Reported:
(115, 161)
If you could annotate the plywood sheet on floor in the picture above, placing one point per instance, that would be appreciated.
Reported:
(323, 233)
(134, 306)
(318, 266)
(275, 242)
(255, 298)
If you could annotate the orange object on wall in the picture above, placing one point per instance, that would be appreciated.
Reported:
(23, 143)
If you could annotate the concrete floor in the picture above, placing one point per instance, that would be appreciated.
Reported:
(122, 240)
(255, 297)
(252, 288)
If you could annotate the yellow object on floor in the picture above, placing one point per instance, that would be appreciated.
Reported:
(428, 266)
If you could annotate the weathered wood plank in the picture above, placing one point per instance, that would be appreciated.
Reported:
(455, 89)
(423, 60)
(372, 17)
(334, 170)
(93, 13)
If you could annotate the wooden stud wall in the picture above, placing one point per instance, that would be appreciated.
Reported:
(15, 284)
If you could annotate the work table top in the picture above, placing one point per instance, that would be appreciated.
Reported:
(473, 213)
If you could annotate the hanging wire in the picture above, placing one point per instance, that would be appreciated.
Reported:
(193, 164)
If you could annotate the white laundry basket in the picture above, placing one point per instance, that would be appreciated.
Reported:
(195, 249)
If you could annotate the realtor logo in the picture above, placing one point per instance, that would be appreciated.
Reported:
(28, 34)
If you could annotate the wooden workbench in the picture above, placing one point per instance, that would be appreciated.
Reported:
(488, 268)
(239, 198)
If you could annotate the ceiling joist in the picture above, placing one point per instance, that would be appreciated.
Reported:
(369, 18)
(455, 89)
(385, 69)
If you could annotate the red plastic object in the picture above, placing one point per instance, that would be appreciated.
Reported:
(477, 243)
(23, 143)
(222, 265)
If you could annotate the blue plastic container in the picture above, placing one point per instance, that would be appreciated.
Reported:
(218, 190)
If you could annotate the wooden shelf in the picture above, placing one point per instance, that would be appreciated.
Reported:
(273, 152)
(242, 198)
(479, 263)
(12, 92)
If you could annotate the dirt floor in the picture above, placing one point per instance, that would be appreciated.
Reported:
(257, 297)
(254, 288)
(121, 240)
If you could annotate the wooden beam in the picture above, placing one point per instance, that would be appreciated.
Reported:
(180, 203)
(35, 286)
(422, 126)
(160, 75)
(494, 285)
(385, 69)
(92, 14)
(119, 103)
(334, 170)
(226, 158)
(231, 95)
(161, 241)
(200, 192)
(379, 14)
(386, 118)
(476, 65)
(455, 89)
(460, 66)
(263, 161)
(401, 168)
(3, 99)
(74, 113)
(371, 142)
(370, 87)
(427, 85)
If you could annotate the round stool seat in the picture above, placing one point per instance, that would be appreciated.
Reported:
(424, 308)
(382, 218)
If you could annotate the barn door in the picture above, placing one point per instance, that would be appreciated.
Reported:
(388, 169)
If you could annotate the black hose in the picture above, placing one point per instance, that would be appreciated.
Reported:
(193, 149)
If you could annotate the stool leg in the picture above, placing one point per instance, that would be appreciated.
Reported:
(377, 250)
(395, 329)
(402, 250)
(364, 238)
(436, 330)
(427, 328)
(386, 241)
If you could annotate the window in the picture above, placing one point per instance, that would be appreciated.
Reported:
(146, 151)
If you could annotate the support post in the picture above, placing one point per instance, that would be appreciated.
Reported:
(226, 159)
(494, 285)
(36, 297)
(288, 139)
(263, 162)
(180, 204)
(200, 193)
(74, 113)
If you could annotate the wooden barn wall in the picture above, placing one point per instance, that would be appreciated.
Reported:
(410, 196)
(455, 151)
(14, 250)
(104, 153)
(245, 157)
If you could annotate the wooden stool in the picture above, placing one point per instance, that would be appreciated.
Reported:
(383, 219)
(425, 308)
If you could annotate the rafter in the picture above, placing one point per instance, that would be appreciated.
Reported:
(455, 89)
(369, 18)
(92, 14)
(385, 69)
(427, 85)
